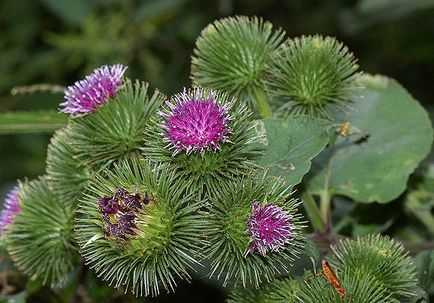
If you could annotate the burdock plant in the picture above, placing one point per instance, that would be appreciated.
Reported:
(315, 75)
(11, 208)
(87, 95)
(204, 136)
(233, 55)
(254, 231)
(149, 190)
(39, 238)
(370, 269)
(138, 227)
(115, 130)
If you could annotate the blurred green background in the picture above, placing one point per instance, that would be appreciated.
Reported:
(60, 41)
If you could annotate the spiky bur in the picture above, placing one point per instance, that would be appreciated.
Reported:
(11, 209)
(116, 130)
(66, 174)
(384, 259)
(232, 55)
(138, 228)
(40, 239)
(244, 255)
(277, 291)
(86, 95)
(204, 136)
(315, 76)
(360, 287)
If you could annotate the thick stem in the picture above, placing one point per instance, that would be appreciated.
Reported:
(261, 99)
(313, 212)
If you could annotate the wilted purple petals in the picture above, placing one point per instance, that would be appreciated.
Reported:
(108, 204)
(91, 93)
(119, 213)
(11, 209)
(270, 228)
(196, 122)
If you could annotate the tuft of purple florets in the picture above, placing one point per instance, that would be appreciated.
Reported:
(196, 122)
(11, 208)
(87, 95)
(119, 212)
(270, 228)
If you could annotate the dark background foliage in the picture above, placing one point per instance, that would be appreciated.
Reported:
(60, 41)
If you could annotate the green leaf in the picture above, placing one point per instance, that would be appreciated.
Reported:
(425, 269)
(291, 144)
(395, 136)
(31, 122)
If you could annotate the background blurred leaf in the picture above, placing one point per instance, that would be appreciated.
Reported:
(396, 135)
(20, 297)
(291, 145)
(154, 9)
(71, 11)
(370, 12)
(31, 122)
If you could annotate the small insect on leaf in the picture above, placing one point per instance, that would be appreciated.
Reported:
(329, 274)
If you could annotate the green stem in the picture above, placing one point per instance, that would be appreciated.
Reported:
(325, 196)
(261, 100)
(313, 212)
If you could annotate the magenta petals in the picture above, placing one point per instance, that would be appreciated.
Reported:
(94, 91)
(270, 228)
(196, 122)
(11, 209)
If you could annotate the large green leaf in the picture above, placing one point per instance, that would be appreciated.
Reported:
(291, 144)
(31, 122)
(397, 136)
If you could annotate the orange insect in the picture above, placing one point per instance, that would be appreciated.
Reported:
(329, 274)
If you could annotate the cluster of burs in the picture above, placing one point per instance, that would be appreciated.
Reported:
(148, 189)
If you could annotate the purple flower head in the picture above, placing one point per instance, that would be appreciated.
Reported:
(196, 122)
(270, 228)
(11, 208)
(93, 92)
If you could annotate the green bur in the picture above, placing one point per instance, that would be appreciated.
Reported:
(165, 246)
(227, 232)
(40, 240)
